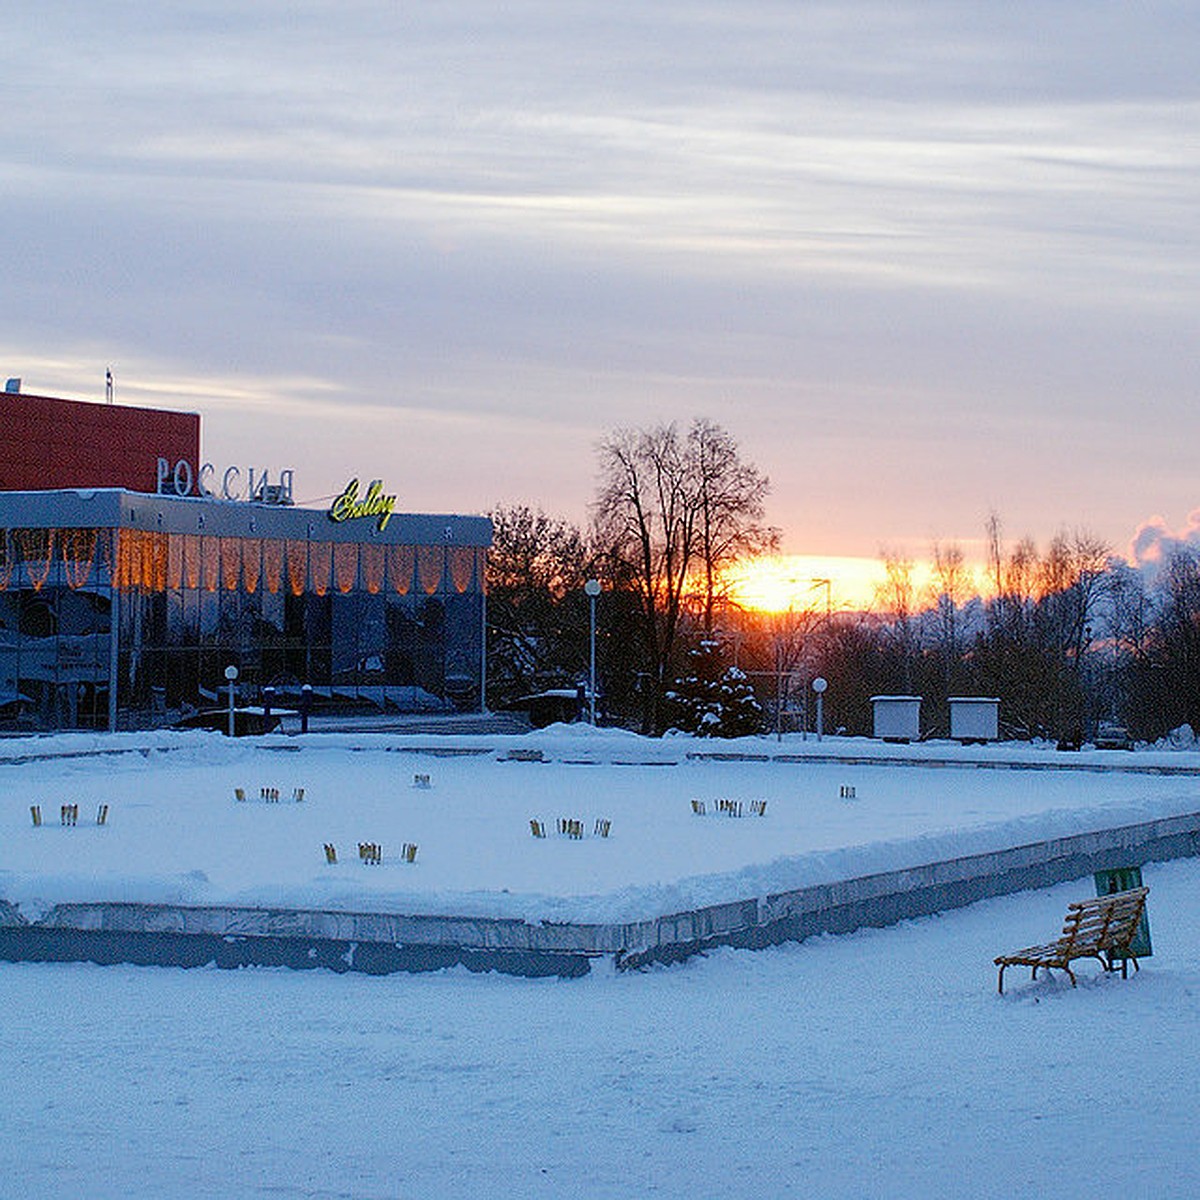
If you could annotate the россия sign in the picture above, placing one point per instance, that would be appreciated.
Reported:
(182, 478)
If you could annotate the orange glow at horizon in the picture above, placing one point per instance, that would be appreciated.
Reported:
(797, 582)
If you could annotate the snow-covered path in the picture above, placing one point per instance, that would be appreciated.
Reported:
(880, 1064)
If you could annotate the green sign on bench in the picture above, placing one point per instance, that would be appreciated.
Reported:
(1124, 879)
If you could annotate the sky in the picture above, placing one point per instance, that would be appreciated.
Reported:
(925, 261)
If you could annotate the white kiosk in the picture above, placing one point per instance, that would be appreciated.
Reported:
(897, 718)
(974, 718)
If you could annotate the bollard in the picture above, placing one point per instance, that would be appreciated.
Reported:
(330, 853)
(102, 815)
(409, 852)
(35, 811)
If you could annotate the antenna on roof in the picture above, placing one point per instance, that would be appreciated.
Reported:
(108, 386)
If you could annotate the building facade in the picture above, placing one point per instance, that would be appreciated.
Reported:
(122, 608)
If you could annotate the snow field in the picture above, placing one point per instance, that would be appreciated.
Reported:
(879, 1064)
(175, 833)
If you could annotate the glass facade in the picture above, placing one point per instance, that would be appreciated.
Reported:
(394, 626)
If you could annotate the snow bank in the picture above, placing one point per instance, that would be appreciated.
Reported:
(834, 809)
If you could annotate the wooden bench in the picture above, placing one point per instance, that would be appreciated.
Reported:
(1102, 929)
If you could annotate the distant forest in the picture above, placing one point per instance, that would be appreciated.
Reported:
(1074, 642)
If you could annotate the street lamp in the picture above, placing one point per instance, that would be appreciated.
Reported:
(592, 587)
(819, 685)
(231, 673)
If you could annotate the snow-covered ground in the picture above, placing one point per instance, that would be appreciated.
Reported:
(880, 1064)
(176, 834)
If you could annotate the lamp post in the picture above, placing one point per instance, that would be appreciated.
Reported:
(819, 685)
(779, 694)
(231, 673)
(592, 587)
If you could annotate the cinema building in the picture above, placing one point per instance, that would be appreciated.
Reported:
(133, 574)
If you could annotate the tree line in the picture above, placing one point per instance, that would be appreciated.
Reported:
(1069, 637)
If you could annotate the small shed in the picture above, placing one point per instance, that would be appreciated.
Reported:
(897, 718)
(553, 706)
(974, 718)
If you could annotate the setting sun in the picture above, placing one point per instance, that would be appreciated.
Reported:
(802, 581)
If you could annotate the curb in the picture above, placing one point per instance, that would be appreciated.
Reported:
(382, 943)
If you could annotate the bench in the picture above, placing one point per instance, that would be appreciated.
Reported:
(1102, 929)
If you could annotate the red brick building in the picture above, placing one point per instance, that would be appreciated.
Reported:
(48, 443)
(123, 605)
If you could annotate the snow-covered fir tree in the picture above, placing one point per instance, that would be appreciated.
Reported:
(713, 699)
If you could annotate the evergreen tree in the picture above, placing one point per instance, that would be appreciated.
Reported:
(712, 699)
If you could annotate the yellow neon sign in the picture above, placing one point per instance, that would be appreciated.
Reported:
(348, 507)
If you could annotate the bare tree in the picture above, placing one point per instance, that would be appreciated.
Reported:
(1073, 578)
(897, 597)
(730, 498)
(1040, 623)
(1131, 615)
(533, 553)
(1013, 581)
(536, 568)
(952, 588)
(1165, 680)
(670, 508)
(646, 521)
(796, 637)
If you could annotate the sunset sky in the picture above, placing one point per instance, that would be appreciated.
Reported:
(925, 261)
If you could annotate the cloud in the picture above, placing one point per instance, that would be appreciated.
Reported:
(923, 260)
(1155, 543)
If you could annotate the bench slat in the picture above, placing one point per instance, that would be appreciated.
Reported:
(1101, 928)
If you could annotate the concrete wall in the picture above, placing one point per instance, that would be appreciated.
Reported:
(384, 942)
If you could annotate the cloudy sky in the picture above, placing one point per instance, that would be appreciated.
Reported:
(924, 260)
